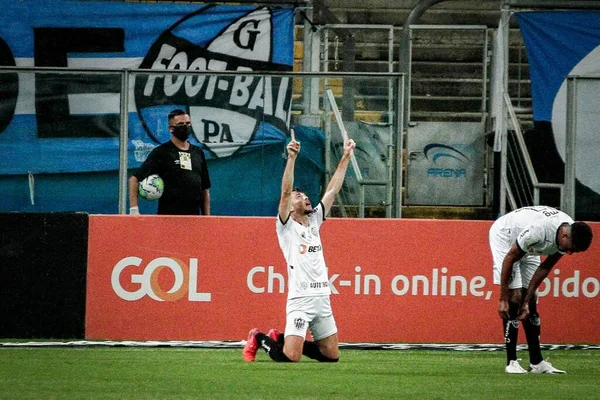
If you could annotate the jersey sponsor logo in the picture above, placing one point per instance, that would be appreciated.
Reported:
(310, 249)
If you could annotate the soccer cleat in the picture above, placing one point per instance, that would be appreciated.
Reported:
(514, 368)
(274, 334)
(251, 347)
(544, 367)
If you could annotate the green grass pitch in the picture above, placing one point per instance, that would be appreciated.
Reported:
(195, 373)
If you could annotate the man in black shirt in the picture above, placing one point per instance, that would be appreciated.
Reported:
(182, 166)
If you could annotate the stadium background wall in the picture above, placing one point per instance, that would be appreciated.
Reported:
(395, 280)
(214, 278)
(43, 261)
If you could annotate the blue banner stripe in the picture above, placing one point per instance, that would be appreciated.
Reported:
(556, 41)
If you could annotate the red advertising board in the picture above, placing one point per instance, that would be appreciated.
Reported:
(407, 281)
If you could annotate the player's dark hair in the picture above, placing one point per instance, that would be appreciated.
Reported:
(176, 113)
(581, 235)
(297, 189)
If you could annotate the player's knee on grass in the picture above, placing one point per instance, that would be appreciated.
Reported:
(292, 348)
(330, 354)
(312, 350)
(329, 347)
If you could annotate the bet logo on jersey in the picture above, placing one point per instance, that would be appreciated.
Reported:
(226, 111)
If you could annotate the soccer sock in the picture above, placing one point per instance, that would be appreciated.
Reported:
(311, 350)
(273, 348)
(532, 332)
(511, 332)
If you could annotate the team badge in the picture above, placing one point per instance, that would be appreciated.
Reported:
(226, 111)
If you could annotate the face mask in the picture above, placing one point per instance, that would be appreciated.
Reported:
(181, 132)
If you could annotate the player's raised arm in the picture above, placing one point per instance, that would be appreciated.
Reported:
(287, 182)
(335, 184)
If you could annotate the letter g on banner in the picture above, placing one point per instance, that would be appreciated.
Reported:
(9, 82)
(148, 279)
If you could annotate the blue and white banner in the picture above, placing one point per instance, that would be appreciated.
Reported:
(51, 122)
(559, 44)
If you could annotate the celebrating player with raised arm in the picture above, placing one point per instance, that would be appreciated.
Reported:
(308, 304)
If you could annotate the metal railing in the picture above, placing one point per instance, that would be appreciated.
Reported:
(521, 182)
(127, 106)
(361, 181)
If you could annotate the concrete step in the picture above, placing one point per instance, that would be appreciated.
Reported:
(420, 212)
(429, 52)
(485, 12)
(446, 104)
(438, 212)
(430, 69)
(422, 35)
(440, 116)
(423, 69)
(463, 87)
(410, 4)
(459, 70)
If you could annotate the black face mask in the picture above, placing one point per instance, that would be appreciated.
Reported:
(182, 132)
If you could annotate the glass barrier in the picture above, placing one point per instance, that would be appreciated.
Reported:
(61, 133)
(59, 139)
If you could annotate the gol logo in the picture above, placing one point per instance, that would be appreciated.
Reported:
(186, 280)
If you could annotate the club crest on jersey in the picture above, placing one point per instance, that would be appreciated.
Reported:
(299, 323)
(226, 111)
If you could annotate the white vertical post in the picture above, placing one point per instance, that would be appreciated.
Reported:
(399, 145)
(503, 122)
(326, 106)
(123, 142)
(570, 147)
(311, 63)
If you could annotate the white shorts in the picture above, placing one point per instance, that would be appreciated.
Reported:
(500, 244)
(312, 313)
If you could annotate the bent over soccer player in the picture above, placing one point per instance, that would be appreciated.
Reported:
(517, 240)
(308, 304)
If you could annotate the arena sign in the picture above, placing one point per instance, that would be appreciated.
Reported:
(229, 114)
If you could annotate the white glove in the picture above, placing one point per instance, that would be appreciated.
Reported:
(134, 211)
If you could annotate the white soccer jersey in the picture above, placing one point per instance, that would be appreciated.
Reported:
(534, 228)
(303, 252)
